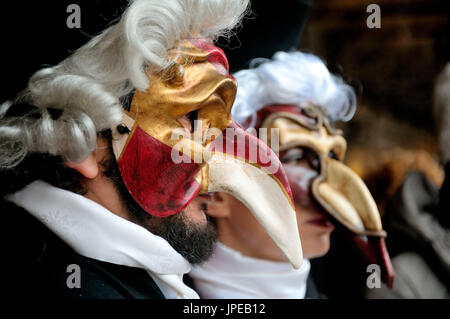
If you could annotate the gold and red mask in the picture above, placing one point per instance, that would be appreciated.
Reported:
(326, 182)
(198, 88)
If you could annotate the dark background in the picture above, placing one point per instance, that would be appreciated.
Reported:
(393, 69)
(35, 34)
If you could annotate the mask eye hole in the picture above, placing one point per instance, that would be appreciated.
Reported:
(303, 157)
(332, 154)
(175, 74)
(193, 116)
(293, 156)
(188, 120)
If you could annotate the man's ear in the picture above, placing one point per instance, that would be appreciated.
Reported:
(219, 206)
(88, 167)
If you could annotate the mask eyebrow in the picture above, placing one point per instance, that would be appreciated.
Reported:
(216, 55)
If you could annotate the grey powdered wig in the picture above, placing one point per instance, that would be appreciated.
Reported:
(291, 78)
(87, 85)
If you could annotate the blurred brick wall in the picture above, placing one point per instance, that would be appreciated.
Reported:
(396, 64)
(393, 69)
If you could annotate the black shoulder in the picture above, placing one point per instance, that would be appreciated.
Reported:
(70, 275)
(311, 290)
(40, 265)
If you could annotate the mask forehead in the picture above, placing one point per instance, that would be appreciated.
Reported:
(197, 81)
(295, 130)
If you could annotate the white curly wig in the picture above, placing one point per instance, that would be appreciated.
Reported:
(291, 78)
(86, 88)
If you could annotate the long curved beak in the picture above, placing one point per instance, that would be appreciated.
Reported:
(343, 193)
(246, 168)
(346, 197)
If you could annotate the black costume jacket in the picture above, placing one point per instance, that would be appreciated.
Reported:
(37, 262)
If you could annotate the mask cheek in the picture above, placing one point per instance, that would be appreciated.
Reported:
(214, 116)
(159, 185)
(300, 180)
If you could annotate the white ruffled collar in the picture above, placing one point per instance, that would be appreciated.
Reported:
(229, 274)
(93, 231)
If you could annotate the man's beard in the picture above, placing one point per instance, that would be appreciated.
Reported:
(193, 241)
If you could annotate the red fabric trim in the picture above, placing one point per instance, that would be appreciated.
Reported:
(270, 109)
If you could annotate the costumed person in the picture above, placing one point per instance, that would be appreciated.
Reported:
(418, 220)
(105, 169)
(294, 99)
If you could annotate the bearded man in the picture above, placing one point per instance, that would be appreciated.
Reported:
(104, 168)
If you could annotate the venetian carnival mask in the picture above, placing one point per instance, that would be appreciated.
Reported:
(327, 182)
(164, 166)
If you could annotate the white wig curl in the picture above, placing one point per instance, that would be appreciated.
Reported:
(291, 78)
(88, 85)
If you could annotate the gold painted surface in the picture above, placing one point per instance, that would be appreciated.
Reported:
(292, 134)
(203, 179)
(343, 181)
(191, 84)
(339, 190)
